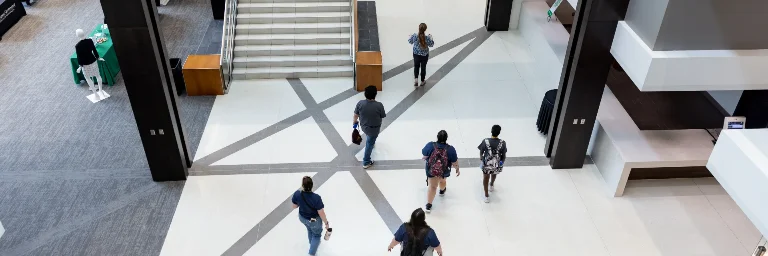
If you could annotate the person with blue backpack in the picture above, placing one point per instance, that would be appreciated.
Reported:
(440, 157)
(493, 152)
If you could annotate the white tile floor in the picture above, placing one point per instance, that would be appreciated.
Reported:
(535, 210)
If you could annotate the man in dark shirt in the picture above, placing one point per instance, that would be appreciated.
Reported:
(369, 114)
(493, 152)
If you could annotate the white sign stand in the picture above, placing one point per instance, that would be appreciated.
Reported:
(102, 95)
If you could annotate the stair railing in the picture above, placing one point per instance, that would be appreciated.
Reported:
(228, 42)
(353, 30)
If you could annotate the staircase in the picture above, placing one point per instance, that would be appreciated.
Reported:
(292, 39)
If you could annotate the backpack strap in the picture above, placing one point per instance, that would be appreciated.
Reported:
(501, 143)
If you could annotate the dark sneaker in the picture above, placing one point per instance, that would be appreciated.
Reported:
(368, 165)
(428, 208)
(442, 192)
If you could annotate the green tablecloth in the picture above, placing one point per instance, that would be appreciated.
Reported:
(108, 68)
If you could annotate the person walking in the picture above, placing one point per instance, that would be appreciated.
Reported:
(416, 238)
(440, 157)
(493, 152)
(369, 114)
(421, 44)
(311, 212)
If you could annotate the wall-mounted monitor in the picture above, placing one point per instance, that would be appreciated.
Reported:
(734, 122)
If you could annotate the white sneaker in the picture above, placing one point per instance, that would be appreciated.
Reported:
(487, 200)
(490, 189)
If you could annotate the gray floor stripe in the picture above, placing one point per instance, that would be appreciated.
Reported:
(272, 219)
(380, 203)
(298, 117)
(342, 166)
(253, 138)
(66, 228)
(433, 53)
(321, 119)
(414, 96)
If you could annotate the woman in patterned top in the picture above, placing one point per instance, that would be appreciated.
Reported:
(421, 44)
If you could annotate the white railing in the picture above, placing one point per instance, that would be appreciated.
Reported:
(228, 41)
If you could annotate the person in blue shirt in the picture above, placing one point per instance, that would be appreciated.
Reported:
(421, 44)
(440, 146)
(416, 238)
(311, 212)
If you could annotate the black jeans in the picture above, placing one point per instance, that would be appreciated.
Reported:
(420, 61)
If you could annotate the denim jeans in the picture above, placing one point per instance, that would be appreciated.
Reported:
(369, 142)
(314, 232)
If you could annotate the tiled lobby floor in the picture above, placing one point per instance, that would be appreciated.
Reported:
(261, 139)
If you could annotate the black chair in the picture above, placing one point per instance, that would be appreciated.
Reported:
(545, 112)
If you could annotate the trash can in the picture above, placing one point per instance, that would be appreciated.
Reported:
(178, 76)
(545, 112)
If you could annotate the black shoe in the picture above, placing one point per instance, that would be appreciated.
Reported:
(428, 208)
(442, 192)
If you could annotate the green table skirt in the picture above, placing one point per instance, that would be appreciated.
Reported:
(109, 68)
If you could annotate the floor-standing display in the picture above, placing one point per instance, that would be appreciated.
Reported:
(88, 61)
(11, 12)
(109, 67)
(497, 14)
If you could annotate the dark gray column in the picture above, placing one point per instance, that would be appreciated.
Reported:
(141, 54)
(497, 14)
(754, 106)
(585, 71)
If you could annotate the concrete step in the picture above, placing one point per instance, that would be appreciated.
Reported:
(299, 17)
(293, 7)
(287, 28)
(297, 39)
(293, 61)
(287, 1)
(290, 49)
(292, 72)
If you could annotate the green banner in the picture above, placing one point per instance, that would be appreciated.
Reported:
(554, 7)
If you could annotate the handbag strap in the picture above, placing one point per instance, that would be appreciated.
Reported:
(305, 201)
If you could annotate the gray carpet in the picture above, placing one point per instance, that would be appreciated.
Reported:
(73, 175)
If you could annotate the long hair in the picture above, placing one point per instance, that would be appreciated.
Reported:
(306, 184)
(422, 36)
(416, 229)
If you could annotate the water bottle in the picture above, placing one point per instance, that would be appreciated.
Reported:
(328, 234)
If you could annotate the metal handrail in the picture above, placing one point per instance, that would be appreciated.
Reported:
(352, 29)
(227, 41)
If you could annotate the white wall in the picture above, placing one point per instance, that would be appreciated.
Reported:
(740, 164)
(727, 99)
(711, 70)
